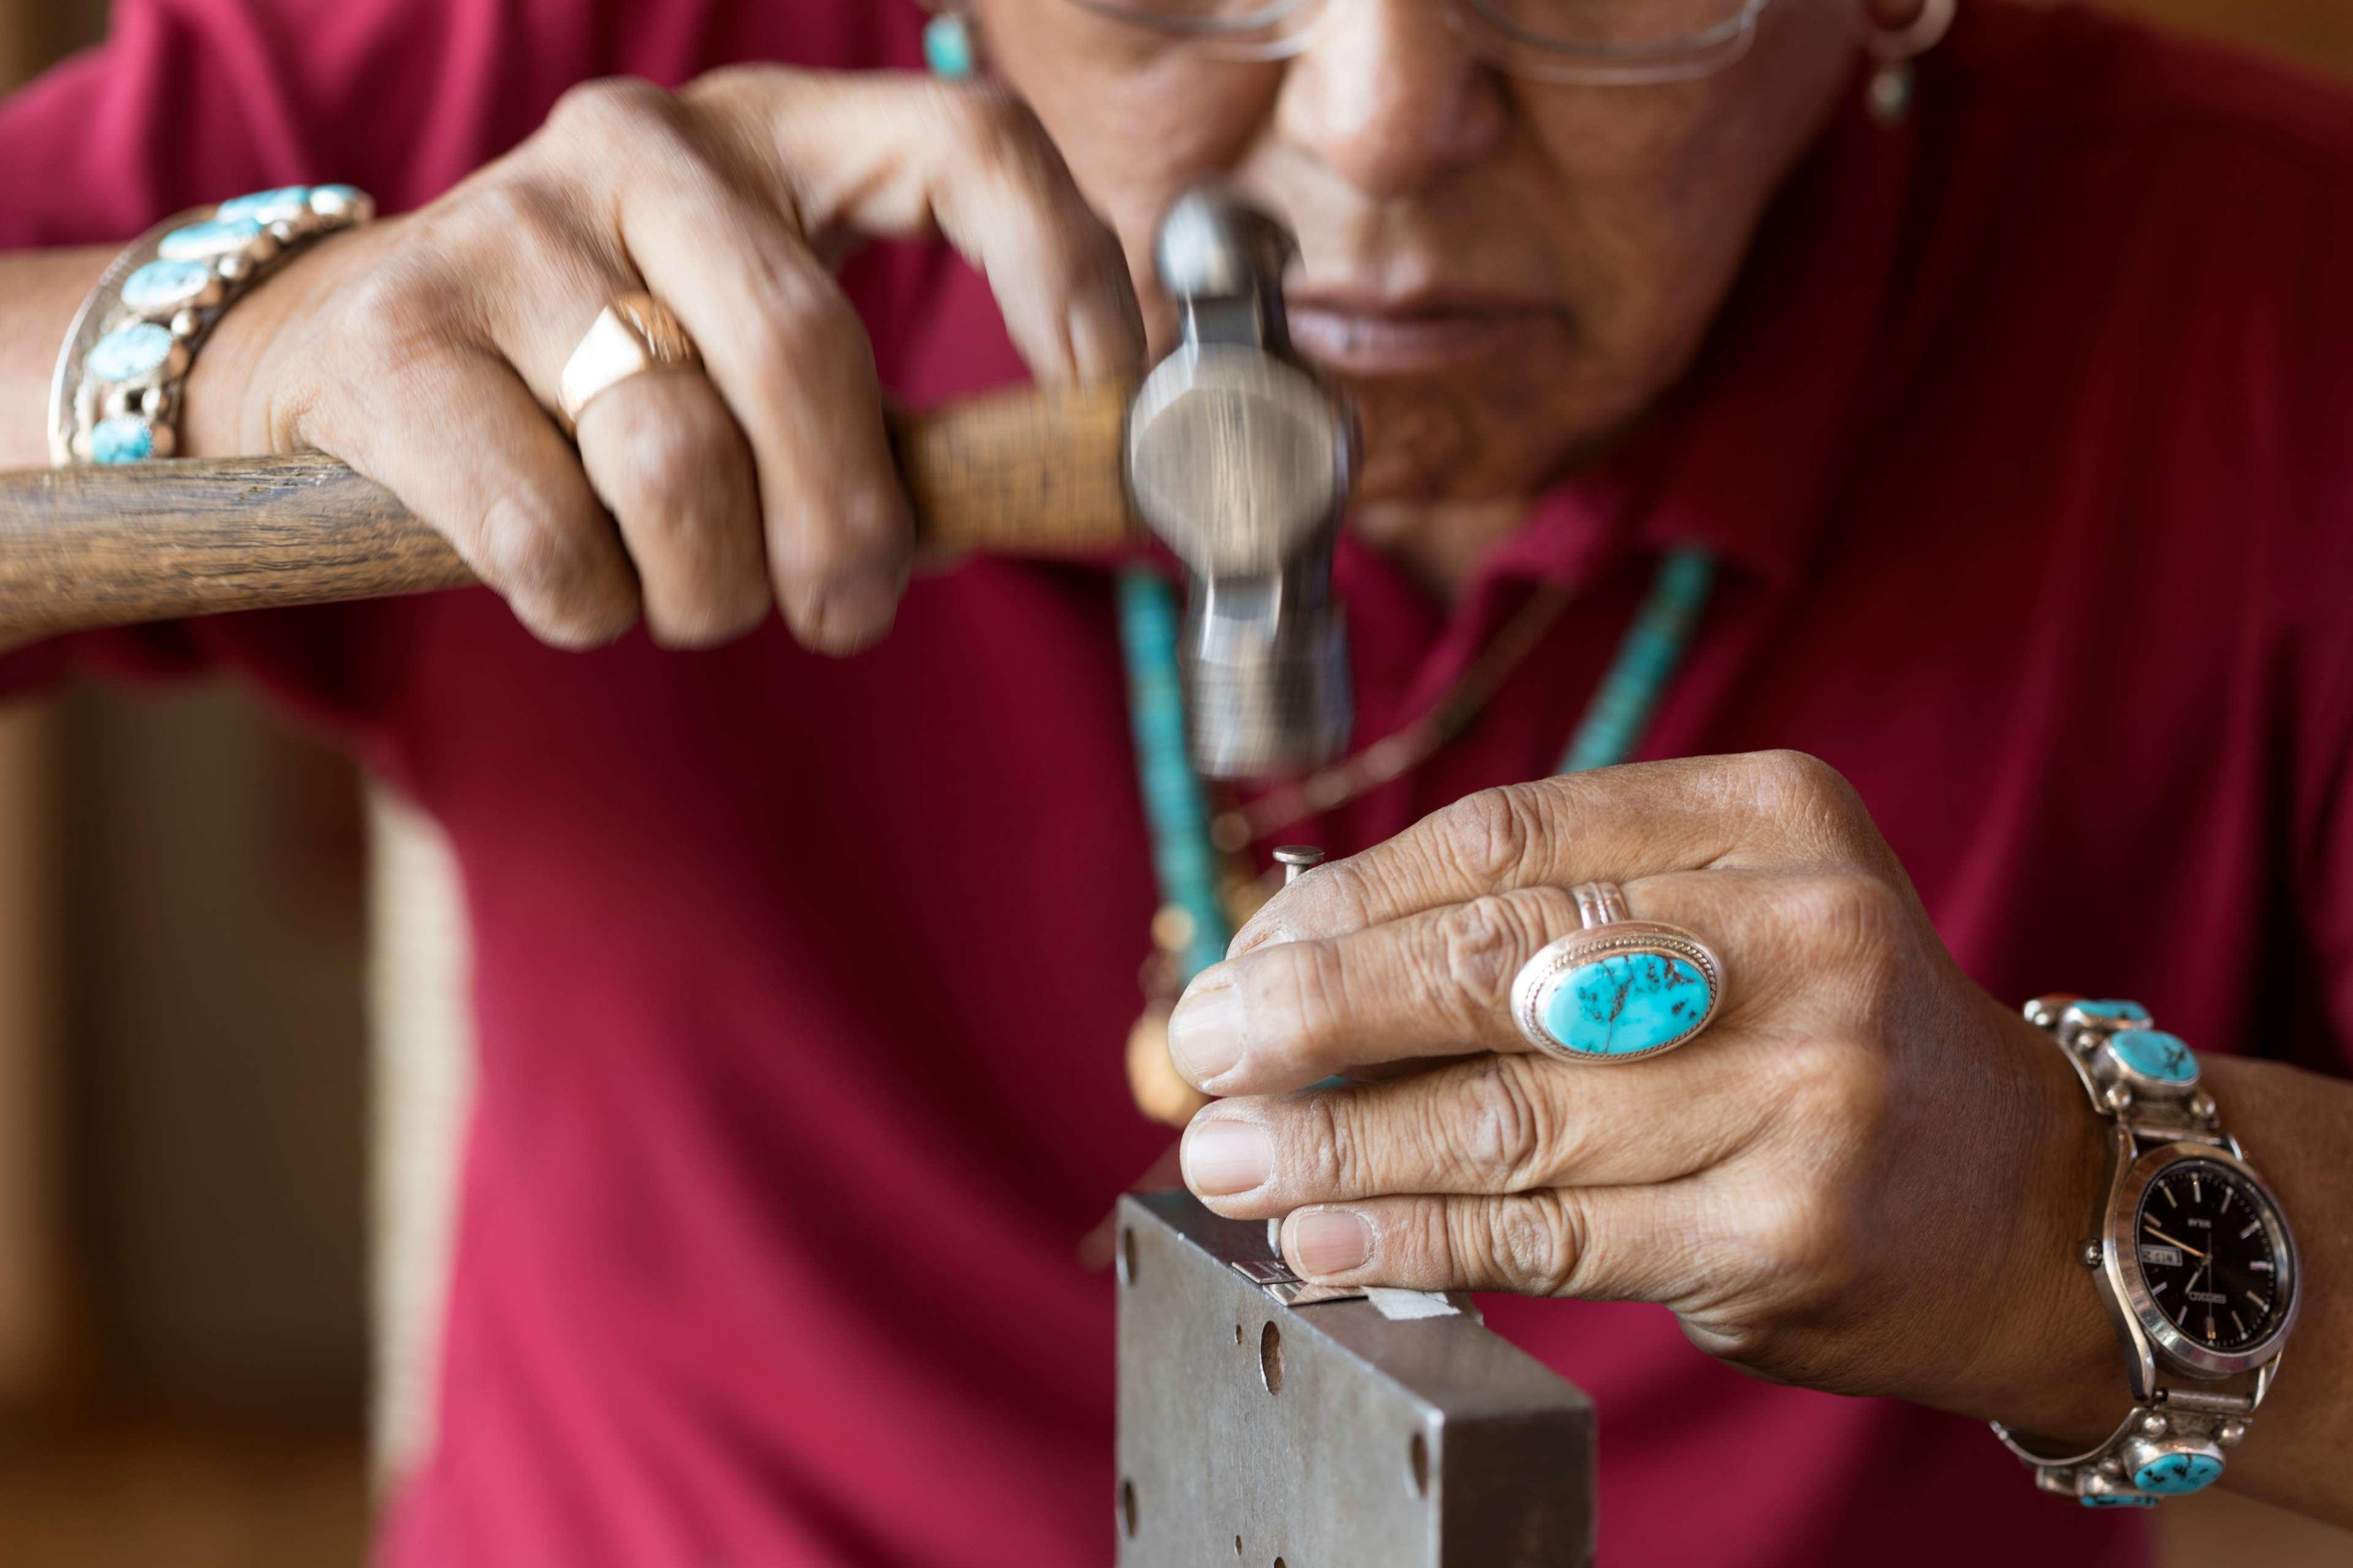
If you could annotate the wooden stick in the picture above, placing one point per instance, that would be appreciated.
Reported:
(1012, 473)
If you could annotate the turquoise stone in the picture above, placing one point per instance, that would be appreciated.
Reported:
(1623, 1005)
(128, 353)
(160, 288)
(2154, 1054)
(2112, 1500)
(2171, 1475)
(266, 207)
(206, 241)
(2127, 1012)
(126, 438)
(948, 47)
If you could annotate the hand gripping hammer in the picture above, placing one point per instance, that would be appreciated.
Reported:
(1229, 451)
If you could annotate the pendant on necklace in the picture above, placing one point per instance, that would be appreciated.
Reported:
(1160, 1092)
(1152, 1081)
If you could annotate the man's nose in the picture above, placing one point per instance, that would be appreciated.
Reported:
(1389, 96)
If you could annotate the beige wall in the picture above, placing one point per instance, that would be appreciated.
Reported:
(2317, 30)
(182, 1055)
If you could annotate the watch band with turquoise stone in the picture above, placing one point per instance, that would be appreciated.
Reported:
(116, 394)
(2145, 1081)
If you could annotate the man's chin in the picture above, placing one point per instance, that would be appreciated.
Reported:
(1462, 440)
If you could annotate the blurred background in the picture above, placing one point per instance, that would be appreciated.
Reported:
(205, 921)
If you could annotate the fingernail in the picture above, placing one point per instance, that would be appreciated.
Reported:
(1205, 1033)
(1330, 1241)
(1223, 1156)
(858, 612)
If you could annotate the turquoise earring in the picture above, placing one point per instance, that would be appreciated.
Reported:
(947, 46)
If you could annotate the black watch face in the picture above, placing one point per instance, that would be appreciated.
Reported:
(2214, 1254)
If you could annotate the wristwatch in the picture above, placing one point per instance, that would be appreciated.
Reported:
(2194, 1262)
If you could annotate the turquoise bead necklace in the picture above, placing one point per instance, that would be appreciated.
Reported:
(1194, 927)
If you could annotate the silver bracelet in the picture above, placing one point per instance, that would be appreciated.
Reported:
(2191, 1255)
(116, 394)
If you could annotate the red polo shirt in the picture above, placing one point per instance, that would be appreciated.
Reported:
(803, 983)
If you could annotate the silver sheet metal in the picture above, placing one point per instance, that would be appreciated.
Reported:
(1264, 1435)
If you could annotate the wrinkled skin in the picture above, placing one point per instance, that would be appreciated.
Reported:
(1809, 1183)
(1568, 247)
(1867, 1175)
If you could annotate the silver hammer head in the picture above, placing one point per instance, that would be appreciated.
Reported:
(1240, 461)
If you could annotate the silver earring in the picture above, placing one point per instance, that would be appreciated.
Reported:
(1894, 82)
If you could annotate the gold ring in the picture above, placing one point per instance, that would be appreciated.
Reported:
(634, 334)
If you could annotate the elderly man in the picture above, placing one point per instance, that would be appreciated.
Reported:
(1772, 380)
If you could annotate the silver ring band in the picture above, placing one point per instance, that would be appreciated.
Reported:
(1617, 990)
(1600, 903)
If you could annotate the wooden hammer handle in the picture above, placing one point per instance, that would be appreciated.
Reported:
(1014, 473)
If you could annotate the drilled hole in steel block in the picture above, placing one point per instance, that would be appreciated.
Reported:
(1237, 1546)
(1417, 1466)
(1270, 1358)
(1127, 1255)
(1238, 1334)
(1127, 1506)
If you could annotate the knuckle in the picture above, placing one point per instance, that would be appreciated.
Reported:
(666, 462)
(515, 215)
(1483, 944)
(1805, 1240)
(390, 322)
(1848, 1097)
(549, 570)
(1813, 798)
(1332, 1154)
(1530, 1244)
(1500, 1128)
(990, 123)
(730, 85)
(1793, 776)
(611, 110)
(1493, 832)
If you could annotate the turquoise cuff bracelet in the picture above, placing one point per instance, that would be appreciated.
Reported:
(116, 394)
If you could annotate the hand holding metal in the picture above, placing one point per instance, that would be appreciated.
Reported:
(1240, 461)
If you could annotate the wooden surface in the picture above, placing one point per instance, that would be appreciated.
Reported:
(1019, 472)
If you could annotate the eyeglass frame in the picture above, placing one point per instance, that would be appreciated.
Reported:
(1691, 59)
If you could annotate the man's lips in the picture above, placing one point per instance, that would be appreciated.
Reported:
(1374, 336)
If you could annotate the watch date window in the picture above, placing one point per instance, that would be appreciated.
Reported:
(2161, 1256)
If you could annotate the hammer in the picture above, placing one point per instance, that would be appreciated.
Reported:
(1229, 452)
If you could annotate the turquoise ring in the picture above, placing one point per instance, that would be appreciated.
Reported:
(1619, 990)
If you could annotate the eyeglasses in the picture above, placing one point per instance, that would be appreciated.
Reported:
(1590, 41)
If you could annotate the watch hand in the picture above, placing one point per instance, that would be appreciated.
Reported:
(2171, 1242)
